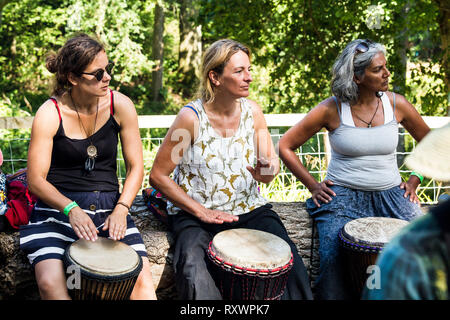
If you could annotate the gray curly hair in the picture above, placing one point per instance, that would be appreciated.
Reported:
(350, 63)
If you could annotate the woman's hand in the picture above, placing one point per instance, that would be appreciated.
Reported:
(82, 224)
(321, 192)
(410, 189)
(215, 216)
(116, 222)
(264, 171)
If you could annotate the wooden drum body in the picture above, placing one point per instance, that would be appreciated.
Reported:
(362, 240)
(108, 269)
(250, 264)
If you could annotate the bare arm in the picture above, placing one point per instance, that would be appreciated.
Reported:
(268, 163)
(318, 118)
(179, 138)
(131, 143)
(126, 116)
(411, 120)
(45, 125)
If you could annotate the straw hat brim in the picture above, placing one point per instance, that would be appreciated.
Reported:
(431, 157)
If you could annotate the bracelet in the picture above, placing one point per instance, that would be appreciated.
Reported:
(417, 175)
(124, 204)
(69, 207)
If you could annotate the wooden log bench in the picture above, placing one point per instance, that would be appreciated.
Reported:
(17, 279)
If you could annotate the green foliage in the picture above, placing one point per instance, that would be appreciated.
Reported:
(297, 42)
(118, 24)
(14, 146)
(28, 30)
(294, 44)
(13, 143)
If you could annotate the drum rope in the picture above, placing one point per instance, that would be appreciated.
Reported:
(244, 281)
(266, 287)
(251, 279)
(249, 271)
(359, 247)
(254, 286)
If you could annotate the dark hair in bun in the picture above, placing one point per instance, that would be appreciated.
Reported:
(50, 63)
(76, 54)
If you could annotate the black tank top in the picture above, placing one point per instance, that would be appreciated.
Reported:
(67, 171)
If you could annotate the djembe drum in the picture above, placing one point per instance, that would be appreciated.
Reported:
(362, 240)
(250, 264)
(108, 269)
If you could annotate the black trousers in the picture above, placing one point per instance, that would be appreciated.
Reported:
(193, 268)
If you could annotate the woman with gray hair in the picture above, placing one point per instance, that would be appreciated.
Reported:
(362, 178)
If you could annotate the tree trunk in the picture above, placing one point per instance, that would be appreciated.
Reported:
(190, 47)
(401, 45)
(158, 52)
(444, 26)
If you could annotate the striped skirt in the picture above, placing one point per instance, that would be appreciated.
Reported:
(49, 232)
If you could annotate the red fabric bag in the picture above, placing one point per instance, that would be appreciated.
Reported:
(20, 204)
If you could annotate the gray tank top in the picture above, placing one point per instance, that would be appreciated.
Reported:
(364, 158)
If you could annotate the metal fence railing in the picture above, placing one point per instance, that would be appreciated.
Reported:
(314, 154)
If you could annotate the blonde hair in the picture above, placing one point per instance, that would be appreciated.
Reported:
(215, 58)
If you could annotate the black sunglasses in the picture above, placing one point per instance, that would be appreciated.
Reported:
(101, 72)
(363, 46)
(89, 165)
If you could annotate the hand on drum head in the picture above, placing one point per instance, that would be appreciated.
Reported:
(322, 192)
(216, 216)
(82, 224)
(116, 222)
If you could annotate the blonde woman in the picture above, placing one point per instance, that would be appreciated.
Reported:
(211, 148)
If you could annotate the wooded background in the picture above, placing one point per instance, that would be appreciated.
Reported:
(157, 47)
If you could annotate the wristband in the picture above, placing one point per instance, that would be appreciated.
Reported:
(124, 204)
(69, 207)
(417, 175)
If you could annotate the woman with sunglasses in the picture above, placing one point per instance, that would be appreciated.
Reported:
(72, 167)
(362, 178)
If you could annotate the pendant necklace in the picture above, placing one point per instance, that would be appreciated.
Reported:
(91, 149)
(369, 124)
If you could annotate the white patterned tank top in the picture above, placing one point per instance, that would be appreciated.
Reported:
(213, 170)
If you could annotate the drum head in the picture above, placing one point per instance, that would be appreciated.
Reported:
(104, 256)
(251, 249)
(374, 231)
